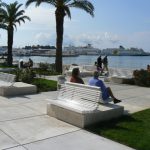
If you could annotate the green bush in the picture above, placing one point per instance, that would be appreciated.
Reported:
(43, 66)
(24, 75)
(142, 77)
(27, 75)
(44, 85)
(46, 69)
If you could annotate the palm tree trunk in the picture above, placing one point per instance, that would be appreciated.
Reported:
(10, 44)
(60, 14)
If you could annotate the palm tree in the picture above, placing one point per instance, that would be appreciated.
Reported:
(63, 9)
(11, 15)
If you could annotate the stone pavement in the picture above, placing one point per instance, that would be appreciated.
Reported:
(24, 124)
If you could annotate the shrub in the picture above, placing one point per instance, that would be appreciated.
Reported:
(24, 75)
(142, 77)
(43, 66)
(27, 75)
(46, 69)
(17, 72)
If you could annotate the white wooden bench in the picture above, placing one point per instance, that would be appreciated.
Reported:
(6, 79)
(79, 105)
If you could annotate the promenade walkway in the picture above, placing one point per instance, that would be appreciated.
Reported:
(24, 124)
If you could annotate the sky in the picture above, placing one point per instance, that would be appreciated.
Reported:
(115, 23)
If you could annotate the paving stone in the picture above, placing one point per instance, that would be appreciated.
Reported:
(35, 128)
(39, 106)
(6, 141)
(16, 112)
(27, 98)
(80, 140)
(17, 148)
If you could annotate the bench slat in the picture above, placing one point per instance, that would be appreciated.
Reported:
(80, 92)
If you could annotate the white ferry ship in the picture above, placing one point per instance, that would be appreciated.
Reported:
(83, 50)
(124, 52)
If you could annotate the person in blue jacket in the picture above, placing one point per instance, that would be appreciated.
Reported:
(106, 91)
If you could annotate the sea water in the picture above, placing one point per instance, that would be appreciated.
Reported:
(130, 62)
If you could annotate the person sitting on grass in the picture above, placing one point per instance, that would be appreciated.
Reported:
(106, 91)
(76, 76)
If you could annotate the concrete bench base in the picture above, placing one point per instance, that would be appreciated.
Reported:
(18, 88)
(83, 118)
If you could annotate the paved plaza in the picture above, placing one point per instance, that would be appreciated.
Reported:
(24, 124)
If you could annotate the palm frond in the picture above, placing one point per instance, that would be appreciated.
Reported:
(32, 1)
(14, 25)
(2, 4)
(67, 11)
(22, 19)
(38, 2)
(18, 7)
(3, 26)
(84, 5)
(3, 14)
(52, 2)
(66, 1)
(20, 13)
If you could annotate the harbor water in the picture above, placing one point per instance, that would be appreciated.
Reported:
(130, 62)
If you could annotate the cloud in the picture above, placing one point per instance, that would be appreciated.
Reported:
(45, 39)
(99, 40)
(42, 18)
(110, 40)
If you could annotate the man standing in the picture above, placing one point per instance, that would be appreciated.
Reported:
(105, 63)
(99, 61)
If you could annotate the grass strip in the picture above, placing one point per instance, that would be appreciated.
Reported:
(131, 130)
(44, 85)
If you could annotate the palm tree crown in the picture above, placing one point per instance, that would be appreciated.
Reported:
(10, 15)
(63, 9)
(65, 4)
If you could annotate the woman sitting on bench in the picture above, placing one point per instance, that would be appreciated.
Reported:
(76, 76)
(106, 91)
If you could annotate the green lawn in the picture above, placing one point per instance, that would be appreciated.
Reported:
(129, 130)
(44, 85)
